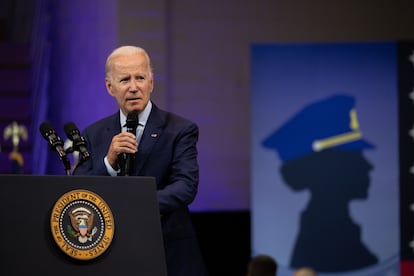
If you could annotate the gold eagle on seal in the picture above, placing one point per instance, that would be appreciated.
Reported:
(81, 220)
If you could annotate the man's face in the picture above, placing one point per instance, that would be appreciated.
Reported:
(130, 82)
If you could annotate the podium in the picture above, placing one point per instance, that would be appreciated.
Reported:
(29, 247)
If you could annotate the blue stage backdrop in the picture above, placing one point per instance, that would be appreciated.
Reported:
(325, 157)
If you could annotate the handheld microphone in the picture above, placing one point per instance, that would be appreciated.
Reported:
(131, 124)
(79, 143)
(56, 143)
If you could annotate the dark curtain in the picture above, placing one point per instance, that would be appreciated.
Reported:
(70, 43)
(41, 50)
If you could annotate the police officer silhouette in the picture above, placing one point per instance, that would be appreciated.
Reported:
(321, 148)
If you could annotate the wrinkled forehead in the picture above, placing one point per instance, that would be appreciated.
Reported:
(134, 61)
(137, 63)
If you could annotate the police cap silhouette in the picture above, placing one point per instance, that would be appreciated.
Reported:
(326, 124)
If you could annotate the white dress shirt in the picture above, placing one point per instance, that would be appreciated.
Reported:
(142, 121)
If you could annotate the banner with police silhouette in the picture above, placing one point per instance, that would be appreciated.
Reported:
(325, 157)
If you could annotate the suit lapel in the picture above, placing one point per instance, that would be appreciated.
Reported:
(150, 136)
(112, 128)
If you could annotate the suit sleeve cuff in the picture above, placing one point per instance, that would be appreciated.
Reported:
(109, 168)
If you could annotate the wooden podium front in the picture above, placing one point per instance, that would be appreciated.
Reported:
(30, 248)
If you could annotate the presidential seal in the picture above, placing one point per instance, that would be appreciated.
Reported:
(82, 224)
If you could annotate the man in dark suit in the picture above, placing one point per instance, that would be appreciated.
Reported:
(164, 147)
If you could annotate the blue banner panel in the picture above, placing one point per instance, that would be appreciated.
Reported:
(325, 167)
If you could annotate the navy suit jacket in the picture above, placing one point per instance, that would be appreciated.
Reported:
(166, 151)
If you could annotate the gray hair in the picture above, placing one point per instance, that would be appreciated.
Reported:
(126, 51)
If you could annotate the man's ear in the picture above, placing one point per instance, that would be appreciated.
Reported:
(152, 85)
(108, 85)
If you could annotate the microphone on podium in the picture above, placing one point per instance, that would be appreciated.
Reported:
(79, 143)
(56, 143)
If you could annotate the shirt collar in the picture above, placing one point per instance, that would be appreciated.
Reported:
(142, 117)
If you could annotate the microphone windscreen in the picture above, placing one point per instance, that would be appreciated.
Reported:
(132, 120)
(46, 128)
(69, 128)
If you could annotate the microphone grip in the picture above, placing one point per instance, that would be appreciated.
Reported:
(84, 152)
(131, 124)
(61, 152)
(129, 163)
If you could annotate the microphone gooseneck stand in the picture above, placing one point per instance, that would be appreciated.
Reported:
(66, 165)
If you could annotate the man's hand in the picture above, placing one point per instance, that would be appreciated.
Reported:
(124, 142)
